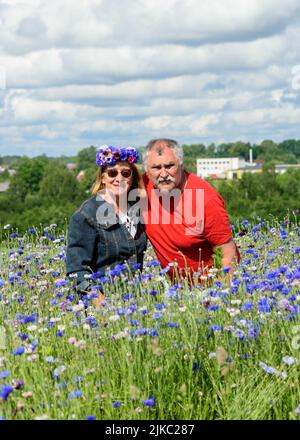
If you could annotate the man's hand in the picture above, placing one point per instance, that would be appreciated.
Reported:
(229, 255)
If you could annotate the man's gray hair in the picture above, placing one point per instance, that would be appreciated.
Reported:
(178, 150)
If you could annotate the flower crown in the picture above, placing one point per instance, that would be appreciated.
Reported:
(110, 155)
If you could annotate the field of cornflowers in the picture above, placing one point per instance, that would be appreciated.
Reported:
(216, 350)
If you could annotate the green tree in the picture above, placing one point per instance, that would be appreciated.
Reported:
(86, 158)
(58, 186)
(28, 176)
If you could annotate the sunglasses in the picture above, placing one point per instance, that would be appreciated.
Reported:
(126, 173)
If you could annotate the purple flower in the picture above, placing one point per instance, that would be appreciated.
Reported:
(253, 332)
(172, 324)
(288, 360)
(110, 155)
(18, 384)
(90, 418)
(74, 395)
(5, 391)
(150, 401)
(19, 351)
(152, 263)
(4, 374)
(267, 369)
(215, 328)
(117, 404)
(239, 334)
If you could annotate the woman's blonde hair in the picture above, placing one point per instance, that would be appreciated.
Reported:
(137, 181)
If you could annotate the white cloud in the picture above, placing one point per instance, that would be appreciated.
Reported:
(101, 71)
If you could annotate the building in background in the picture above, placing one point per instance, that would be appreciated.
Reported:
(217, 167)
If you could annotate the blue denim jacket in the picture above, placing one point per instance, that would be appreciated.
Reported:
(97, 243)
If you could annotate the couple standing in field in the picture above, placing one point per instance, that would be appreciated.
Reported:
(182, 215)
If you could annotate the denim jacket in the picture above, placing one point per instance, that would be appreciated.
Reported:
(97, 243)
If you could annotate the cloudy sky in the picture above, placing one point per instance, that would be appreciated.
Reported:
(92, 72)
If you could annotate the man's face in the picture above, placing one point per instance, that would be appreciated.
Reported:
(163, 167)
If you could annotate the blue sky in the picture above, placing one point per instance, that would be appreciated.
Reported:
(75, 74)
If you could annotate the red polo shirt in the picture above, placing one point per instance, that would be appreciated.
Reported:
(195, 223)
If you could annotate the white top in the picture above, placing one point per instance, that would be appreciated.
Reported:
(129, 223)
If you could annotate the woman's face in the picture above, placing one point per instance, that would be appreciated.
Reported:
(117, 178)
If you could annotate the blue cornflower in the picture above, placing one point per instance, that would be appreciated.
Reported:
(34, 344)
(59, 333)
(253, 332)
(172, 324)
(153, 292)
(288, 360)
(134, 322)
(117, 404)
(30, 318)
(160, 306)
(152, 263)
(214, 308)
(157, 315)
(62, 385)
(4, 374)
(140, 331)
(127, 296)
(239, 334)
(74, 395)
(50, 359)
(23, 336)
(264, 305)
(247, 306)
(90, 418)
(215, 328)
(267, 369)
(136, 266)
(19, 351)
(152, 332)
(226, 269)
(5, 391)
(77, 379)
(55, 375)
(2, 282)
(150, 401)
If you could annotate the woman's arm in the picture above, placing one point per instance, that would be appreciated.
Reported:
(81, 248)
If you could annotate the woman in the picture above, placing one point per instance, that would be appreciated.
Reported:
(105, 231)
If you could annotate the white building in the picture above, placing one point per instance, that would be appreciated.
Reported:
(217, 166)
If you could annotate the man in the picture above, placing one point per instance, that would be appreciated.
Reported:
(183, 241)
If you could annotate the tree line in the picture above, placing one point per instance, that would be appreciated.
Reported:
(44, 191)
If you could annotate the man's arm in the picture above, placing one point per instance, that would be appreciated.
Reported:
(229, 254)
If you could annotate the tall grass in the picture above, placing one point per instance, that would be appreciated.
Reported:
(215, 350)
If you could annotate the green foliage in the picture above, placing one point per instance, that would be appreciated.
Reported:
(192, 352)
(58, 185)
(86, 158)
(4, 176)
(28, 177)
(42, 187)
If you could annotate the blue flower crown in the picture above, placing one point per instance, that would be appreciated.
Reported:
(110, 155)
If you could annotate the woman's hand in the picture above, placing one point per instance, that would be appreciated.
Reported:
(99, 301)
